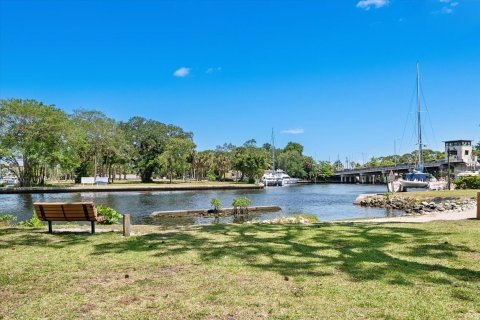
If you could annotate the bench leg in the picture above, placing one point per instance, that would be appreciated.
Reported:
(93, 227)
(50, 227)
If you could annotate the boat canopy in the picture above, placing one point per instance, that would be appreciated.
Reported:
(414, 176)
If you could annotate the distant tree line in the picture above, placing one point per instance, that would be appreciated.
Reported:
(40, 142)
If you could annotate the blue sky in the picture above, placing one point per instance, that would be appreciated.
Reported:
(336, 76)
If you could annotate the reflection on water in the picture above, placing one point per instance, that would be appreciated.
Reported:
(326, 201)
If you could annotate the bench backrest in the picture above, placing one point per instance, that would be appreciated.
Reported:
(66, 211)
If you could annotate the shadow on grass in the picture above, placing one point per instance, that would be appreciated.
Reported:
(398, 255)
(395, 254)
(37, 237)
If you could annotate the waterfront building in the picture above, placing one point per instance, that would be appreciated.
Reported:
(459, 153)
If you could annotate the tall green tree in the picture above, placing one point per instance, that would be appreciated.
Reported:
(324, 170)
(33, 137)
(148, 139)
(251, 161)
(174, 158)
(204, 163)
(292, 162)
(294, 146)
(99, 141)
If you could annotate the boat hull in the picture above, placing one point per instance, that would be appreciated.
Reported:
(413, 184)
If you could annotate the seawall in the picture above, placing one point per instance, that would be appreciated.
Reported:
(109, 188)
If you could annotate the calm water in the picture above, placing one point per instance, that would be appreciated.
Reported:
(326, 201)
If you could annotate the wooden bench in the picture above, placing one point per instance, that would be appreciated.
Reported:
(67, 211)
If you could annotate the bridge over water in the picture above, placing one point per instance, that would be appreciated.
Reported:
(380, 174)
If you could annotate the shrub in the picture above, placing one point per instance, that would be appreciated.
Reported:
(6, 219)
(216, 204)
(111, 216)
(33, 222)
(211, 177)
(240, 205)
(468, 182)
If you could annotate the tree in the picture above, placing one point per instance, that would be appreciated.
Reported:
(477, 150)
(174, 159)
(292, 162)
(223, 163)
(294, 146)
(204, 162)
(148, 139)
(99, 141)
(251, 161)
(33, 137)
(338, 165)
(324, 170)
(267, 146)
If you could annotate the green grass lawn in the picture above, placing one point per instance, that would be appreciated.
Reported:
(468, 193)
(324, 271)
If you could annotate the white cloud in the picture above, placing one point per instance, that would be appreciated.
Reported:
(181, 72)
(294, 131)
(367, 4)
(213, 70)
(448, 6)
(447, 10)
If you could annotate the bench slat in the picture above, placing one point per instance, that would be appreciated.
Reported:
(67, 211)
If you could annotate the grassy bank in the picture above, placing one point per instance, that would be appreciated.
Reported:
(469, 193)
(427, 271)
(155, 183)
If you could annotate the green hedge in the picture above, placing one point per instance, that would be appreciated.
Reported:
(468, 182)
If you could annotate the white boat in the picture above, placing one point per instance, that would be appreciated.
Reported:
(270, 179)
(277, 178)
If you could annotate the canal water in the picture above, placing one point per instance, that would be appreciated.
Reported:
(326, 201)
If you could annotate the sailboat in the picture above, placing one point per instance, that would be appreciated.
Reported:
(276, 177)
(417, 178)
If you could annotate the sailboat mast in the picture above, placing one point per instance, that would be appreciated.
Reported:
(273, 153)
(420, 145)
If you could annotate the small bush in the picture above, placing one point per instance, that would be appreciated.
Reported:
(211, 177)
(33, 222)
(216, 204)
(468, 182)
(6, 219)
(111, 216)
(240, 205)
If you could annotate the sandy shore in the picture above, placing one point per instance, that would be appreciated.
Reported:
(445, 215)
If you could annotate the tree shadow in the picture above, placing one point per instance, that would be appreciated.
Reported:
(35, 237)
(394, 254)
(364, 252)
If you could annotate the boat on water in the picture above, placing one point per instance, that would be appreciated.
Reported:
(418, 177)
(278, 177)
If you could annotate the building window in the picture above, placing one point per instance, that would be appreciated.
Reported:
(452, 152)
(466, 152)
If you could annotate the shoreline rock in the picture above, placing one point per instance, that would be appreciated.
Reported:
(414, 206)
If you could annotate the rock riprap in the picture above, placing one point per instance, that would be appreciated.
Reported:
(413, 206)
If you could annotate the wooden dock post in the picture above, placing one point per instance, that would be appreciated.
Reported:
(126, 225)
(478, 205)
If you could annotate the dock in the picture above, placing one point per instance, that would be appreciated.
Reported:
(209, 212)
